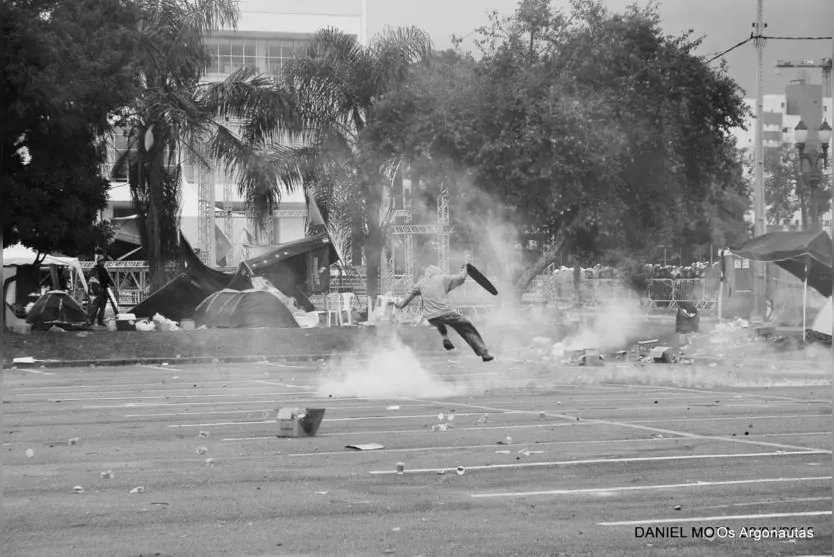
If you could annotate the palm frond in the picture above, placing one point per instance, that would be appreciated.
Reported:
(394, 51)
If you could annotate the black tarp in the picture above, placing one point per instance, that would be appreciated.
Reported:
(296, 269)
(793, 251)
(250, 308)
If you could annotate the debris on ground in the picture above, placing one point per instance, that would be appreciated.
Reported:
(137, 489)
(460, 470)
(365, 446)
(202, 450)
(78, 489)
(209, 462)
(73, 441)
(107, 475)
(30, 453)
(203, 435)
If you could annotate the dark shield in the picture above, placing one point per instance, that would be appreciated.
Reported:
(481, 279)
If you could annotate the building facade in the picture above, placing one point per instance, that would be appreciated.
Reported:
(781, 114)
(268, 35)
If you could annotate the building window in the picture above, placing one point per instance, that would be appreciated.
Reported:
(229, 55)
(279, 53)
(116, 149)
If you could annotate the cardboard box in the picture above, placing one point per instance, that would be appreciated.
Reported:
(299, 422)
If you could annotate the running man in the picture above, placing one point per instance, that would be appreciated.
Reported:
(434, 289)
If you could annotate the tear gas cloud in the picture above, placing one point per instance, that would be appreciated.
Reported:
(392, 371)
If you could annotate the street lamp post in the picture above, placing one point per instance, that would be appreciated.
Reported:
(813, 157)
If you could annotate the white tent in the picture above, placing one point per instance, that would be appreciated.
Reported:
(17, 255)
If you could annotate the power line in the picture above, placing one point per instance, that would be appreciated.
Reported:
(742, 43)
(800, 38)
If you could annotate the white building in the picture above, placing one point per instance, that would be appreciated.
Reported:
(269, 33)
(781, 114)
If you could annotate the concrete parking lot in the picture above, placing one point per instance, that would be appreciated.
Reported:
(553, 462)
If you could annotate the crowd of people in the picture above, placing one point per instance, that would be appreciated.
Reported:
(649, 271)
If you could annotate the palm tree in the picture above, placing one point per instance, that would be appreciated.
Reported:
(335, 89)
(177, 118)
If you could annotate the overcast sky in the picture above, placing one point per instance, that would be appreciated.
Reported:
(723, 23)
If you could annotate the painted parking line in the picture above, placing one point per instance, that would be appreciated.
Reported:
(762, 503)
(641, 427)
(271, 409)
(159, 367)
(31, 371)
(607, 461)
(615, 489)
(747, 394)
(167, 397)
(403, 431)
(721, 518)
(212, 403)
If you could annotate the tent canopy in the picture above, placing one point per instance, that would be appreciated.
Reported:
(793, 251)
(55, 307)
(19, 255)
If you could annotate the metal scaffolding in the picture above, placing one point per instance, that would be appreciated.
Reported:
(205, 230)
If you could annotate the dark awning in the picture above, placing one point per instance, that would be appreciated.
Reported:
(794, 252)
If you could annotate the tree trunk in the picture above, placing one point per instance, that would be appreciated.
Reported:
(373, 260)
(156, 259)
(550, 256)
(577, 282)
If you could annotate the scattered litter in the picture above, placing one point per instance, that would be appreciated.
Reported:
(202, 450)
(460, 470)
(56, 329)
(24, 360)
(30, 453)
(542, 415)
(397, 529)
(165, 324)
(441, 472)
(322, 492)
(483, 419)
(365, 446)
(204, 435)
(524, 452)
(392, 408)
(108, 475)
(507, 441)
(164, 363)
(677, 507)
(73, 441)
(713, 364)
(82, 334)
(440, 427)
(138, 489)
(400, 467)
(78, 489)
(175, 377)
(209, 462)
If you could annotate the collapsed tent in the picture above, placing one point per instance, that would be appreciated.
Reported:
(803, 254)
(297, 269)
(56, 308)
(248, 308)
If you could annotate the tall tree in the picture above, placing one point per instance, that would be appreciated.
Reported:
(178, 118)
(66, 67)
(593, 129)
(336, 87)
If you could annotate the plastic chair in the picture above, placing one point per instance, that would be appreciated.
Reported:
(333, 305)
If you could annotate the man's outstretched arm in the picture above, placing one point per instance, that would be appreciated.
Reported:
(411, 295)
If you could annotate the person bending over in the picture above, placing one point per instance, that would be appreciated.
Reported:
(434, 289)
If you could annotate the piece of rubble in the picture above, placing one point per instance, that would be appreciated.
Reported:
(137, 489)
(78, 489)
(203, 435)
(30, 453)
(209, 462)
(202, 450)
(107, 475)
(73, 441)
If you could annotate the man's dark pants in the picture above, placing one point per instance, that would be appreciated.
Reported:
(100, 306)
(463, 327)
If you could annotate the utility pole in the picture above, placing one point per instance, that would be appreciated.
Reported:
(759, 226)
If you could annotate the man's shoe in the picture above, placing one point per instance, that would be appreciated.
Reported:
(447, 344)
(487, 357)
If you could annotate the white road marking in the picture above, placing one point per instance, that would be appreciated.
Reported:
(32, 371)
(492, 446)
(402, 431)
(213, 403)
(170, 397)
(725, 418)
(280, 384)
(643, 487)
(766, 502)
(745, 394)
(159, 367)
(331, 410)
(608, 461)
(715, 518)
(641, 427)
